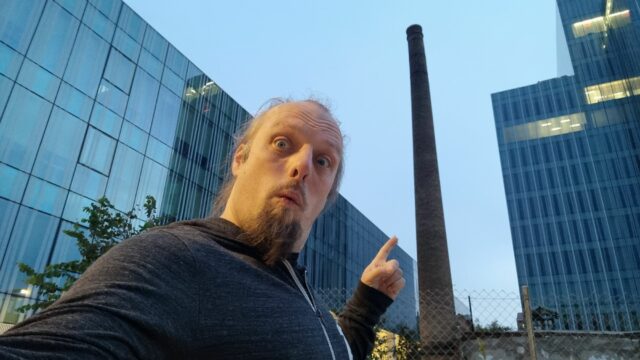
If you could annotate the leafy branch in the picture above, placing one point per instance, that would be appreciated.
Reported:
(106, 227)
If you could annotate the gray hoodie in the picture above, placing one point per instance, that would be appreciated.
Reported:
(189, 290)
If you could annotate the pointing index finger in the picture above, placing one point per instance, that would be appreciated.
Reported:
(385, 250)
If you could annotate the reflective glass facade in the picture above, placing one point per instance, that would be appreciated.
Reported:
(570, 154)
(93, 102)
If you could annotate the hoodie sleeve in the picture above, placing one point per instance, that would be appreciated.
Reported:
(361, 313)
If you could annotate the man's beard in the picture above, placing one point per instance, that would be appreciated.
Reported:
(273, 233)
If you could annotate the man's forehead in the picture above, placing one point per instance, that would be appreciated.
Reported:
(311, 117)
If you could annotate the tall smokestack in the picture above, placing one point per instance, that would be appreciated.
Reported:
(437, 314)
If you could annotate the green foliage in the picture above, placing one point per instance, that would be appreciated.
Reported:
(403, 344)
(408, 344)
(106, 227)
(482, 348)
(381, 350)
(494, 327)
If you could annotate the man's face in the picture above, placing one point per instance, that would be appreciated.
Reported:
(288, 168)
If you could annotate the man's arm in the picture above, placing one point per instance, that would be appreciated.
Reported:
(128, 304)
(379, 286)
(358, 318)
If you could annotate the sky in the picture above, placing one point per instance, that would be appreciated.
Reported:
(353, 54)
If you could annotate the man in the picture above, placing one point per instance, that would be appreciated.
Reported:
(225, 287)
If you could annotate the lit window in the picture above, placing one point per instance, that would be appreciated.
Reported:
(601, 23)
(612, 90)
(559, 125)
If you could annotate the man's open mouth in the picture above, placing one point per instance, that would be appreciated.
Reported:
(292, 197)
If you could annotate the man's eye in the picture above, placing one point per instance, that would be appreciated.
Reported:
(324, 162)
(281, 143)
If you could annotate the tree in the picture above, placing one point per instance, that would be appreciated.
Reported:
(494, 327)
(403, 344)
(408, 344)
(106, 227)
(383, 347)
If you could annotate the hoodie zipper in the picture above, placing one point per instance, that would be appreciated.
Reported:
(311, 303)
(346, 343)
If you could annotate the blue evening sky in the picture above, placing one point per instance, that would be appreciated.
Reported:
(354, 54)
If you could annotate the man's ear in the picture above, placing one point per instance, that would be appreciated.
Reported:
(239, 158)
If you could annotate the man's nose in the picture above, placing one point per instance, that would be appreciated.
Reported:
(301, 163)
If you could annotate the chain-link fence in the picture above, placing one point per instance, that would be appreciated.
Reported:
(491, 324)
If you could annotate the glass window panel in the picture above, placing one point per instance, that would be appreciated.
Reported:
(134, 137)
(75, 7)
(155, 43)
(22, 125)
(176, 61)
(73, 210)
(60, 147)
(159, 151)
(66, 247)
(10, 61)
(123, 181)
(142, 100)
(106, 120)
(132, 24)
(8, 211)
(166, 116)
(84, 71)
(75, 102)
(194, 72)
(31, 245)
(111, 8)
(171, 197)
(38, 80)
(88, 182)
(152, 182)
(44, 196)
(99, 23)
(111, 97)
(151, 64)
(5, 89)
(18, 20)
(173, 82)
(195, 202)
(12, 182)
(119, 70)
(53, 40)
(129, 47)
(593, 257)
(97, 151)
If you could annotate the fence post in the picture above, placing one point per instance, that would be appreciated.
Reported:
(529, 322)
(473, 327)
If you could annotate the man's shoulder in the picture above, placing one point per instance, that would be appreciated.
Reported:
(208, 228)
(199, 237)
(183, 230)
(172, 238)
(200, 242)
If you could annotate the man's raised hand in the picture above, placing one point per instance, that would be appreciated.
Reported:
(382, 274)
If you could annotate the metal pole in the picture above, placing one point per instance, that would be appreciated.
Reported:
(473, 326)
(529, 322)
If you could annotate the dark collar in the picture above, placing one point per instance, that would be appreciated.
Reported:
(227, 234)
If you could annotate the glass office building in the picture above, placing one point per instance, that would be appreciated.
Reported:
(93, 102)
(570, 154)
